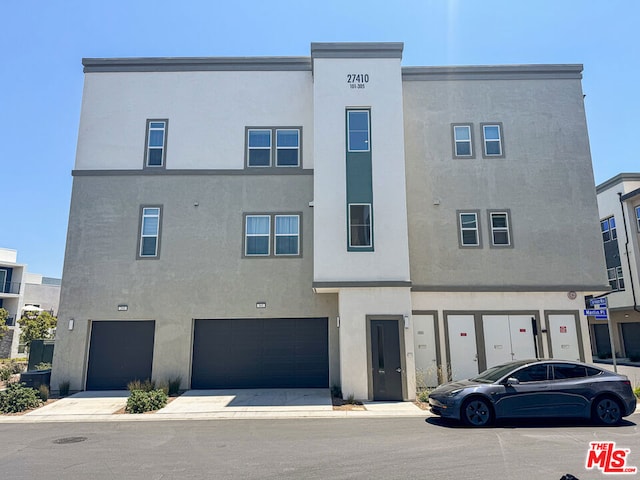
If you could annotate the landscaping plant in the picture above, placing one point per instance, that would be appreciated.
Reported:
(18, 398)
(141, 401)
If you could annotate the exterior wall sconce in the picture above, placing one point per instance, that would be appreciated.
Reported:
(338, 322)
(261, 305)
(406, 321)
(123, 308)
(71, 322)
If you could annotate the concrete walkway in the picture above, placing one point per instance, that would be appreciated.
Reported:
(211, 404)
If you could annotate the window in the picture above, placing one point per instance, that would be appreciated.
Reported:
(358, 131)
(608, 228)
(565, 371)
(266, 144)
(616, 281)
(360, 225)
(500, 229)
(492, 139)
(156, 143)
(462, 141)
(534, 373)
(638, 217)
(469, 230)
(258, 238)
(150, 232)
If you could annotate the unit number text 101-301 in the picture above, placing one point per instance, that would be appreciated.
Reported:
(357, 80)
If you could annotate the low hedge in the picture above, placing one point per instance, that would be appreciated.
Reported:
(141, 401)
(18, 398)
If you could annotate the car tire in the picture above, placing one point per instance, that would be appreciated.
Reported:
(476, 412)
(606, 411)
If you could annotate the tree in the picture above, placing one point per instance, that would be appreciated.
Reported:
(36, 326)
(4, 314)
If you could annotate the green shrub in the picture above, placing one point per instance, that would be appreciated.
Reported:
(141, 401)
(18, 398)
(336, 391)
(64, 388)
(43, 366)
(5, 374)
(145, 386)
(43, 392)
(174, 386)
(423, 395)
(636, 391)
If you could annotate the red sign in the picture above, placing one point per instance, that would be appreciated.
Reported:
(563, 329)
(523, 330)
(463, 334)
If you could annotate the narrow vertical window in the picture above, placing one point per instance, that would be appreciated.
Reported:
(469, 231)
(608, 229)
(360, 225)
(638, 218)
(287, 234)
(612, 228)
(287, 148)
(492, 139)
(358, 137)
(500, 235)
(150, 232)
(257, 234)
(259, 145)
(156, 143)
(462, 141)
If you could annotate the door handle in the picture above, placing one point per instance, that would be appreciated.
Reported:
(399, 370)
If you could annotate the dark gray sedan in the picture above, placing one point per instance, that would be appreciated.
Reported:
(536, 388)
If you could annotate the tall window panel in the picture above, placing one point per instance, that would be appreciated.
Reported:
(492, 140)
(287, 235)
(150, 224)
(358, 138)
(360, 225)
(638, 218)
(468, 229)
(257, 235)
(500, 229)
(287, 148)
(156, 143)
(463, 141)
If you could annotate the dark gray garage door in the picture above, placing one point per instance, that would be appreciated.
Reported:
(120, 351)
(631, 338)
(260, 353)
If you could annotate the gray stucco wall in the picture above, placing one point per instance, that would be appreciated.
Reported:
(200, 273)
(545, 180)
(46, 296)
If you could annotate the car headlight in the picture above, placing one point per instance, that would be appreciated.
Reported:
(453, 393)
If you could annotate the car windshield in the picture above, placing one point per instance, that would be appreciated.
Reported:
(494, 374)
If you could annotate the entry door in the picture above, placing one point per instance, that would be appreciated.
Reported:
(462, 346)
(425, 350)
(385, 360)
(564, 337)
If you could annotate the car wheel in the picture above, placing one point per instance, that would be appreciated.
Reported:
(607, 411)
(476, 412)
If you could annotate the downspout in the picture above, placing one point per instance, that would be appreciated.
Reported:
(626, 249)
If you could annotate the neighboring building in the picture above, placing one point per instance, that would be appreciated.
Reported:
(19, 289)
(328, 220)
(619, 207)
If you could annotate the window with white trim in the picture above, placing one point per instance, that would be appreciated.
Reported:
(273, 147)
(358, 138)
(268, 235)
(616, 280)
(150, 232)
(156, 143)
(469, 229)
(360, 225)
(608, 229)
(462, 141)
(492, 139)
(500, 229)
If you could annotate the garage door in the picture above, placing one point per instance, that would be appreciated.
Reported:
(260, 353)
(120, 351)
(631, 338)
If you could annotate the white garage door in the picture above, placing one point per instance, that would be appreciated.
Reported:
(424, 338)
(462, 346)
(564, 337)
(508, 338)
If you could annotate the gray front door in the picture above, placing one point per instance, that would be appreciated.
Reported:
(385, 360)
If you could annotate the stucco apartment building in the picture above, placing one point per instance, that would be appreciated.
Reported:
(338, 219)
(619, 207)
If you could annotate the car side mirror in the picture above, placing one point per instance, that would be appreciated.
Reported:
(512, 381)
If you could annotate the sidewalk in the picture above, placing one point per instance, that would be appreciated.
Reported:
(105, 406)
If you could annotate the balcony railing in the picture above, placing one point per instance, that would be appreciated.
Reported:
(10, 287)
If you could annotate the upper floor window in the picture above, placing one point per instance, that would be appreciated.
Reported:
(492, 139)
(469, 229)
(149, 245)
(358, 138)
(156, 143)
(463, 141)
(268, 147)
(638, 217)
(608, 228)
(360, 225)
(616, 281)
(258, 238)
(500, 229)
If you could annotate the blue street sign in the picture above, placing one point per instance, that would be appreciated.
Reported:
(593, 312)
(598, 302)
(601, 317)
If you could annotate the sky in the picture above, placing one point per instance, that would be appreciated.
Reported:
(42, 43)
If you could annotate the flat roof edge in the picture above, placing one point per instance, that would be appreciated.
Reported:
(194, 64)
(493, 72)
(357, 50)
(621, 177)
